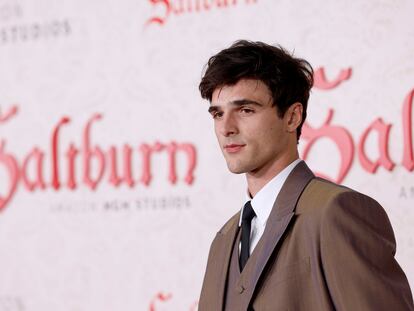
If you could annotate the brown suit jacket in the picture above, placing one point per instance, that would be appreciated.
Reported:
(325, 247)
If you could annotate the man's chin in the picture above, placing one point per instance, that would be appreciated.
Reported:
(236, 169)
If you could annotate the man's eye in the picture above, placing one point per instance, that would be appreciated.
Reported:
(246, 110)
(216, 115)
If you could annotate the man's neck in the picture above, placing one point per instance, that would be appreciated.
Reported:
(257, 180)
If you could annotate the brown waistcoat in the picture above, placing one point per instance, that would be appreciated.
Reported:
(232, 300)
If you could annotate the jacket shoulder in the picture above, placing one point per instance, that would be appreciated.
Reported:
(234, 220)
(320, 194)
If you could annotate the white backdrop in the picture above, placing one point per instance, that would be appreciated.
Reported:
(71, 239)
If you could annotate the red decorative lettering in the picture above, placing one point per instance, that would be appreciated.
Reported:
(37, 156)
(89, 154)
(171, 149)
(192, 155)
(196, 6)
(9, 114)
(207, 5)
(178, 7)
(127, 165)
(93, 160)
(165, 4)
(13, 170)
(146, 151)
(54, 151)
(408, 159)
(71, 154)
(383, 131)
(339, 135)
(159, 297)
(321, 82)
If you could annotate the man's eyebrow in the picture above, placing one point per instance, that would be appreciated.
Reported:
(241, 102)
(213, 109)
(238, 102)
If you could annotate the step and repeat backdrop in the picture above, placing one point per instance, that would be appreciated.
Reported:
(112, 185)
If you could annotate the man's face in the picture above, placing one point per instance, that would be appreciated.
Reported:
(251, 135)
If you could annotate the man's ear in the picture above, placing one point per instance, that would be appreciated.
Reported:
(294, 117)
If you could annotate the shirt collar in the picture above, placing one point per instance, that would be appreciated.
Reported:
(263, 201)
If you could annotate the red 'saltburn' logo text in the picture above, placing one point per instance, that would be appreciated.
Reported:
(166, 8)
(103, 161)
(344, 142)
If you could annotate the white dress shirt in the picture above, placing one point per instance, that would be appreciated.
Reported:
(262, 204)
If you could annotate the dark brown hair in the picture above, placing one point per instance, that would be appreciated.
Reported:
(288, 78)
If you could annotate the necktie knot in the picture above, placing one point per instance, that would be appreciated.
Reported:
(248, 212)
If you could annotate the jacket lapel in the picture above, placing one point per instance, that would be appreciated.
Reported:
(279, 219)
(228, 238)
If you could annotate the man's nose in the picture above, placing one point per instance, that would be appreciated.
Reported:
(228, 126)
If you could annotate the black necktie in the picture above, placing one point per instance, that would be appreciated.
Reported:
(248, 214)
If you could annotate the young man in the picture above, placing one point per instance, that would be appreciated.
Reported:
(300, 242)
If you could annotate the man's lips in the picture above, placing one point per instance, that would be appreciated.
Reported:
(233, 148)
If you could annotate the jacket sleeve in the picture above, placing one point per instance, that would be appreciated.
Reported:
(357, 254)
